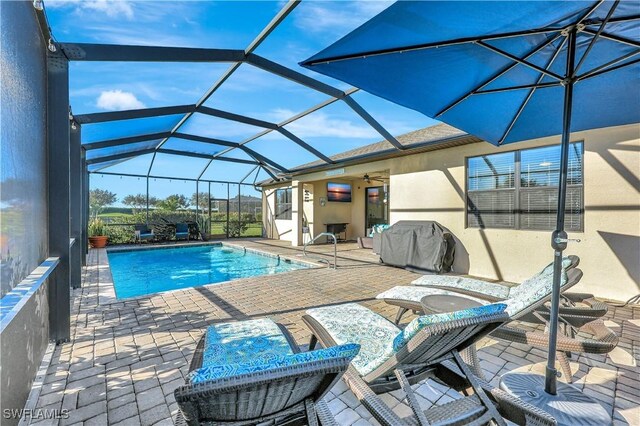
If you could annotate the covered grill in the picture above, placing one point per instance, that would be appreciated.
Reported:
(419, 246)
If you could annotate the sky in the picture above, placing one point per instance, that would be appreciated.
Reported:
(312, 26)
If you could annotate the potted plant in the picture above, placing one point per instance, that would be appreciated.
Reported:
(97, 231)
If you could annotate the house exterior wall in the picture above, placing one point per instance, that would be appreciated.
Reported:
(431, 186)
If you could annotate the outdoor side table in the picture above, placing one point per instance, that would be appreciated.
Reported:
(440, 303)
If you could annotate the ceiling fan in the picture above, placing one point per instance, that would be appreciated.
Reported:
(368, 178)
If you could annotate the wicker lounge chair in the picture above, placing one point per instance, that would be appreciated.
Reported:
(578, 308)
(391, 358)
(144, 233)
(182, 231)
(251, 372)
(583, 333)
(408, 298)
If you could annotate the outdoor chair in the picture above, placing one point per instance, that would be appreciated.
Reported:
(250, 372)
(583, 333)
(391, 358)
(182, 231)
(373, 238)
(144, 233)
(578, 308)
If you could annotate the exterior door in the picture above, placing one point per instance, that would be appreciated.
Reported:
(376, 206)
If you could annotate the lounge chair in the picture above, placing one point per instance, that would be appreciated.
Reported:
(485, 292)
(391, 358)
(144, 233)
(249, 372)
(582, 333)
(182, 231)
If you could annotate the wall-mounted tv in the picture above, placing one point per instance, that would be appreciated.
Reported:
(340, 192)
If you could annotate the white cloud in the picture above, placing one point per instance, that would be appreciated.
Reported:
(321, 124)
(338, 18)
(111, 8)
(117, 100)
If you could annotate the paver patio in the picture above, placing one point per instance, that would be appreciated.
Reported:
(126, 357)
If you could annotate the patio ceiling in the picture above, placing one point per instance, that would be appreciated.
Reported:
(113, 137)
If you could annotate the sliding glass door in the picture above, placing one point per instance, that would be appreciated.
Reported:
(376, 207)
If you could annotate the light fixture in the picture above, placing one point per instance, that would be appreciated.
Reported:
(545, 164)
(37, 4)
(51, 46)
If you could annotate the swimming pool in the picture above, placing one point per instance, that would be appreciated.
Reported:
(145, 271)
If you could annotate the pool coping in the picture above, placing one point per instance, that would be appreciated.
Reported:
(107, 293)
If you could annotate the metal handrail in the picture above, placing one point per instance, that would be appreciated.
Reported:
(335, 248)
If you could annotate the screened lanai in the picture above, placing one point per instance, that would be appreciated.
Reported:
(238, 111)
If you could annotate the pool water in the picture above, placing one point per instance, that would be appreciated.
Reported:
(146, 271)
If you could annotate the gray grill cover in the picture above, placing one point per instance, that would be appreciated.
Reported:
(419, 246)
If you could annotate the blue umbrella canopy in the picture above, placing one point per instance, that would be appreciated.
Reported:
(505, 72)
(496, 69)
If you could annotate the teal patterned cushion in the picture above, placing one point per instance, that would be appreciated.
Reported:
(213, 372)
(535, 289)
(244, 341)
(532, 291)
(478, 286)
(546, 272)
(377, 229)
(353, 323)
(415, 293)
(419, 323)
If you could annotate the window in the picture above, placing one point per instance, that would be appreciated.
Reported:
(283, 204)
(519, 189)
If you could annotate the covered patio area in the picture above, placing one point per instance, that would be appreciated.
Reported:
(126, 357)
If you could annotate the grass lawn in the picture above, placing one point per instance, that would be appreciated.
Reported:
(253, 230)
(114, 217)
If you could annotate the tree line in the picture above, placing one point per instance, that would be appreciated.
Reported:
(101, 198)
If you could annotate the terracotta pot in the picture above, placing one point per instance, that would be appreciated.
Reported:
(98, 242)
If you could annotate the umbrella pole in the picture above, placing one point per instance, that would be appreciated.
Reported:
(559, 236)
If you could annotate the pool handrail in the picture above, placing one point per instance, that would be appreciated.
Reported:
(335, 248)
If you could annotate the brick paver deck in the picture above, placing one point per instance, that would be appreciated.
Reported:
(126, 357)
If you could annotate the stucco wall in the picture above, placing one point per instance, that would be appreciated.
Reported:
(318, 215)
(23, 199)
(610, 247)
(331, 212)
(431, 186)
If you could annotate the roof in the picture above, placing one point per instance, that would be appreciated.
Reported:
(431, 138)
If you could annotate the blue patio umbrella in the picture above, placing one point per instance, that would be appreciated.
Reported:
(505, 72)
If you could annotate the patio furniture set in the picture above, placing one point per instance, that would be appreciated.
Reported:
(252, 371)
(182, 231)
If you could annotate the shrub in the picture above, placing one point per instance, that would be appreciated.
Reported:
(235, 229)
(120, 234)
(96, 228)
